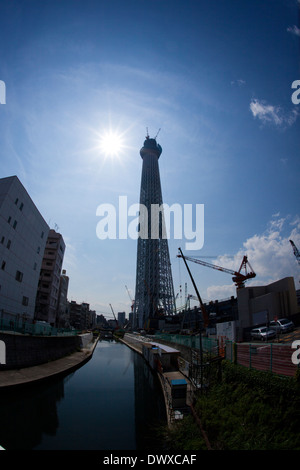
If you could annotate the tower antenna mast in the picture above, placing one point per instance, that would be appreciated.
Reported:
(157, 133)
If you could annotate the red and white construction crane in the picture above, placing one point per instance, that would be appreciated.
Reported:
(238, 277)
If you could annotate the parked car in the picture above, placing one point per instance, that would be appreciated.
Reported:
(263, 333)
(282, 325)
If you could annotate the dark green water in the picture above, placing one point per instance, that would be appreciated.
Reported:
(113, 402)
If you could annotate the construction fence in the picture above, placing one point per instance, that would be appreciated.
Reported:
(190, 341)
(276, 358)
(37, 328)
(273, 357)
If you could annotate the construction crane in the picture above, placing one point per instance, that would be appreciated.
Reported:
(193, 297)
(204, 316)
(204, 313)
(117, 324)
(180, 307)
(238, 277)
(296, 251)
(132, 301)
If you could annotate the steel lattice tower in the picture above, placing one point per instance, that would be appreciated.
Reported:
(154, 292)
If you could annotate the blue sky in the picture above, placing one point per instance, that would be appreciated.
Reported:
(214, 76)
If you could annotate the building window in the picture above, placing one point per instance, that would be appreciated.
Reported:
(25, 301)
(19, 276)
(3, 265)
(16, 201)
(8, 244)
(2, 240)
(9, 219)
(15, 224)
(38, 249)
(34, 266)
(21, 206)
(42, 235)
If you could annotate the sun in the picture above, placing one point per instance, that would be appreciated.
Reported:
(111, 143)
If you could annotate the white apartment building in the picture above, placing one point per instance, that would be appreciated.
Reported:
(47, 301)
(63, 317)
(23, 236)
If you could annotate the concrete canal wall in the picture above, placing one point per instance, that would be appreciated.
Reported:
(162, 359)
(27, 351)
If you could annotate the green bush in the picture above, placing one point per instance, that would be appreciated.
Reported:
(183, 435)
(246, 410)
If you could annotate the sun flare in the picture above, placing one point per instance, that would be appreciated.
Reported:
(111, 144)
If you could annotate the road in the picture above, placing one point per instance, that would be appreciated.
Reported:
(290, 336)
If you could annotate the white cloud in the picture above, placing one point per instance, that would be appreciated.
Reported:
(265, 112)
(221, 292)
(294, 29)
(268, 113)
(270, 255)
(238, 82)
(291, 118)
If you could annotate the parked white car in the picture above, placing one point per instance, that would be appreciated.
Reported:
(282, 325)
(263, 333)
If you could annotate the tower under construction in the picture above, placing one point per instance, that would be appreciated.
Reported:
(154, 292)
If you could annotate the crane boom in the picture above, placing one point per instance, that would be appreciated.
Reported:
(238, 277)
(296, 251)
(114, 315)
(132, 301)
(128, 293)
(204, 313)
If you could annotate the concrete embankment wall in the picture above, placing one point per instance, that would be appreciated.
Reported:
(26, 351)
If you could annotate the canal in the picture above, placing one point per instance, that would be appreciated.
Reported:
(113, 402)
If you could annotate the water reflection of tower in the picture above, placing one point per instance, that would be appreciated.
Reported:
(154, 292)
(149, 405)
